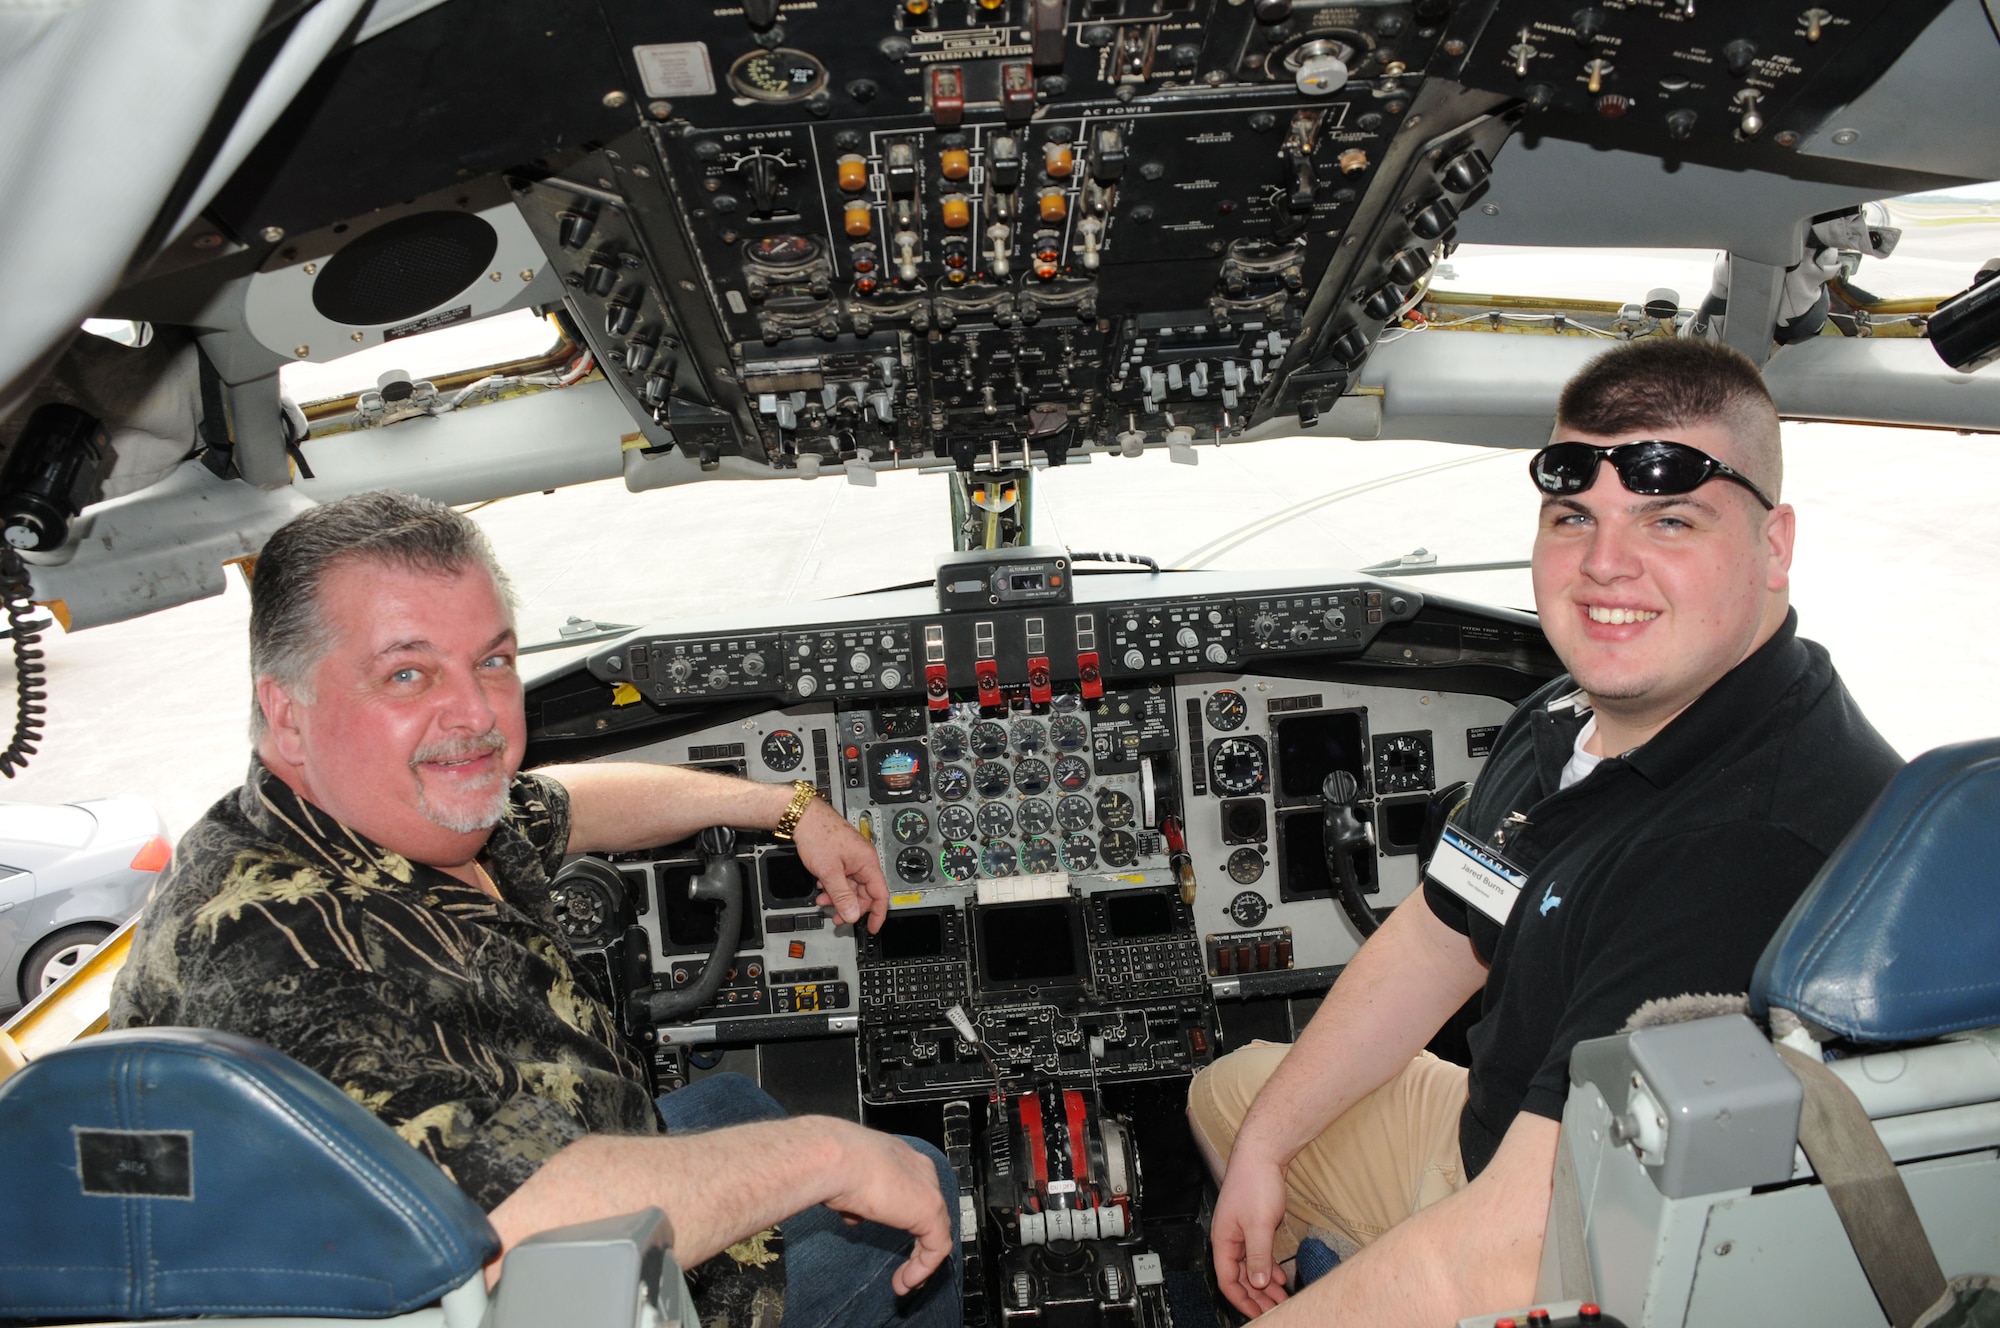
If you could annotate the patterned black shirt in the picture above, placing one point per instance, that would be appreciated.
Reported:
(455, 1017)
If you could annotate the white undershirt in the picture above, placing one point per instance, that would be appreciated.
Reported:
(1580, 761)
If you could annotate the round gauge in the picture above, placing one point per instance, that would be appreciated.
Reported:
(1072, 773)
(1245, 866)
(1114, 808)
(1120, 849)
(911, 826)
(1403, 762)
(995, 821)
(1226, 711)
(780, 75)
(1073, 813)
(583, 909)
(991, 778)
(1068, 732)
(1067, 703)
(783, 751)
(953, 782)
(1248, 909)
(913, 866)
(1036, 816)
(1236, 766)
(989, 739)
(955, 822)
(1038, 855)
(959, 861)
(782, 250)
(1079, 854)
(1029, 735)
(947, 742)
(999, 859)
(1031, 776)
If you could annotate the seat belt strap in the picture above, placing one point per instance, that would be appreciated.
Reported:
(1572, 1253)
(1867, 1192)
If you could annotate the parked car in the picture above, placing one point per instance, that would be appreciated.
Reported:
(69, 874)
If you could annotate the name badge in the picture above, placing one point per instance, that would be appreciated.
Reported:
(1477, 874)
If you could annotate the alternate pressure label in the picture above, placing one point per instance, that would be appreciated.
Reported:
(675, 69)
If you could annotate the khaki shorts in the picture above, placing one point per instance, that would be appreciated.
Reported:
(1392, 1153)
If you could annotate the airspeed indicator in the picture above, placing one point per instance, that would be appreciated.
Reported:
(783, 751)
(1225, 711)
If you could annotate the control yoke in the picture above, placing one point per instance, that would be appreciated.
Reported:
(720, 880)
(1346, 834)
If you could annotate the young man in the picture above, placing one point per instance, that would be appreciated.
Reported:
(1662, 806)
(374, 901)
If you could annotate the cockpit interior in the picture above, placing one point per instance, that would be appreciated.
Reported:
(1131, 816)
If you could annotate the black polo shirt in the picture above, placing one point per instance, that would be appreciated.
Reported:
(1662, 872)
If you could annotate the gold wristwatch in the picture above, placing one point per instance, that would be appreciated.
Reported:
(795, 811)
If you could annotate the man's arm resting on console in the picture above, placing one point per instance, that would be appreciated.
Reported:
(1473, 1253)
(618, 806)
(720, 1186)
(1400, 988)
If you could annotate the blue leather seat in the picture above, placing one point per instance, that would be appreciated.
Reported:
(1898, 937)
(168, 1172)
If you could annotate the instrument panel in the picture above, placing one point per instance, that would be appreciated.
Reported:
(1083, 867)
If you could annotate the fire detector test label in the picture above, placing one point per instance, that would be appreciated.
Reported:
(675, 69)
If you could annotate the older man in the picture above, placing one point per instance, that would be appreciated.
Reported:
(374, 901)
(1640, 829)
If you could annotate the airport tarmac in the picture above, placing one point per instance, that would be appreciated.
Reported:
(1895, 571)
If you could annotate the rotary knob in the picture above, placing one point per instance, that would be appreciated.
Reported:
(1217, 653)
(1302, 632)
(753, 665)
(1334, 619)
(892, 678)
(1186, 639)
(680, 670)
(718, 677)
(858, 662)
(1263, 625)
(807, 684)
(1135, 658)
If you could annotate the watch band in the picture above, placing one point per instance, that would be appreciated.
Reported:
(795, 811)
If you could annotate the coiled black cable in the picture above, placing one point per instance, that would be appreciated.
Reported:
(29, 670)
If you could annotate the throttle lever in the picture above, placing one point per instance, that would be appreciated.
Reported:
(1346, 834)
(721, 881)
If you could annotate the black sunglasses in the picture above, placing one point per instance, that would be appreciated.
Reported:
(1651, 466)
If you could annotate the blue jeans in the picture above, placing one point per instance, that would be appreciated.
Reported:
(836, 1275)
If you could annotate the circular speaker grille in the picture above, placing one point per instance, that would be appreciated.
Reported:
(404, 268)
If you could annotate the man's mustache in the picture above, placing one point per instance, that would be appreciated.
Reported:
(462, 749)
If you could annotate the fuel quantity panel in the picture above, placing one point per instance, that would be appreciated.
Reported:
(1254, 754)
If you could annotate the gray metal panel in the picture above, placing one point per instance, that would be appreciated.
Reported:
(1918, 115)
(1732, 1107)
(1884, 380)
(594, 1275)
(1498, 390)
(1782, 1257)
(1551, 191)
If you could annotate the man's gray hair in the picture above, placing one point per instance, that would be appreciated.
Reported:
(289, 635)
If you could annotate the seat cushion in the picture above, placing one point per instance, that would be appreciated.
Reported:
(1898, 937)
(170, 1171)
